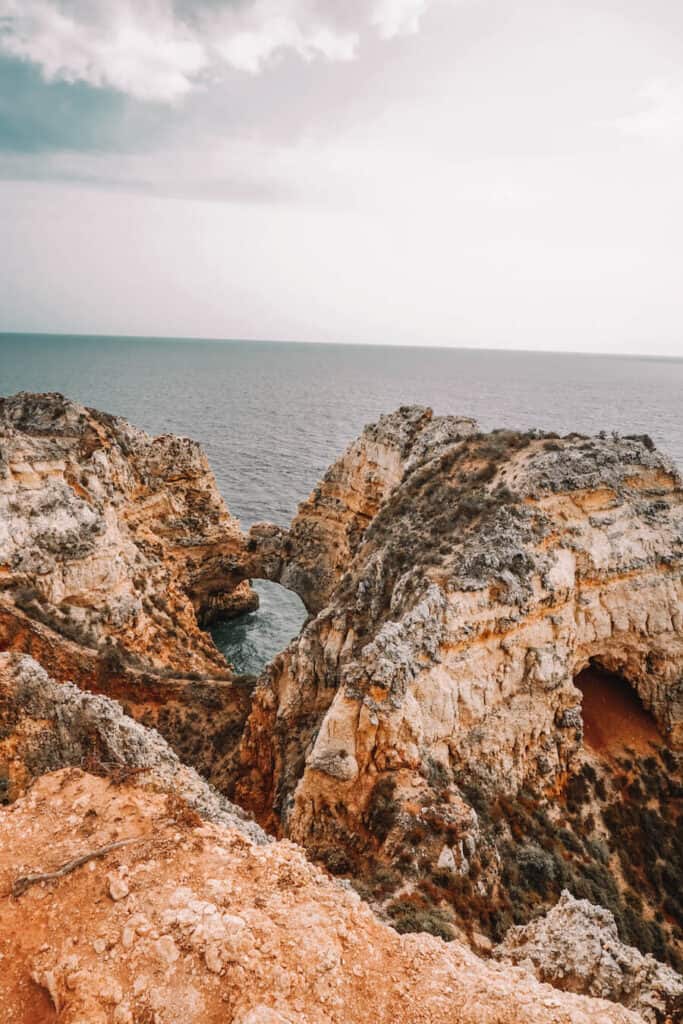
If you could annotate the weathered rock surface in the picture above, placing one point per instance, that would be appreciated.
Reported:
(192, 923)
(311, 557)
(113, 547)
(436, 682)
(576, 947)
(112, 539)
(423, 735)
(494, 569)
(45, 726)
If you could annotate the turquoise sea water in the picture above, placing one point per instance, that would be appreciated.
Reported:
(272, 416)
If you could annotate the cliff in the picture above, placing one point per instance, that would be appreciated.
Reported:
(114, 548)
(485, 708)
(190, 923)
(427, 719)
(163, 903)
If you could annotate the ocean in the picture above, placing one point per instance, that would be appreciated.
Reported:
(273, 415)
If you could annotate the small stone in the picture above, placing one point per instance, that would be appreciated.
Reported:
(118, 887)
(213, 960)
(167, 949)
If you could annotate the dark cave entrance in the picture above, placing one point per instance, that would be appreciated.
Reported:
(251, 640)
(614, 717)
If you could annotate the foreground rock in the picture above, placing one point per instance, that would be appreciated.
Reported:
(45, 725)
(192, 923)
(576, 947)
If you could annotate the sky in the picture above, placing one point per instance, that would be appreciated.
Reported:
(474, 173)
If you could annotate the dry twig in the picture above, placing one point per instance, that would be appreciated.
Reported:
(22, 884)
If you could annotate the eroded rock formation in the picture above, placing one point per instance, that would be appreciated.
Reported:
(193, 923)
(111, 539)
(424, 734)
(314, 553)
(576, 947)
(436, 683)
(495, 569)
(114, 546)
(46, 726)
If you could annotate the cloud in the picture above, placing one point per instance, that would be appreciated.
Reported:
(159, 50)
(662, 118)
(398, 17)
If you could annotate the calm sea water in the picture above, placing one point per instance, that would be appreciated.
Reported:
(272, 416)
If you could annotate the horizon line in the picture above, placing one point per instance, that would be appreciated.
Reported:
(189, 339)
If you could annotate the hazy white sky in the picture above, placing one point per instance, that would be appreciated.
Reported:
(452, 172)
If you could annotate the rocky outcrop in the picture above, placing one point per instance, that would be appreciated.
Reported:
(576, 948)
(189, 922)
(495, 568)
(112, 541)
(114, 547)
(314, 553)
(436, 684)
(424, 734)
(45, 726)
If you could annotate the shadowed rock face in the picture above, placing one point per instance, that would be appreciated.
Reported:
(46, 726)
(113, 547)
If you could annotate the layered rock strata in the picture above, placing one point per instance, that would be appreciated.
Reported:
(423, 735)
(114, 547)
(314, 553)
(495, 569)
(113, 539)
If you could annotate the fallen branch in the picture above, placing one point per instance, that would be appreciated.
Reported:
(23, 883)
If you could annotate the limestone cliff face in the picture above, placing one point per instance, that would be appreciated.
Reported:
(311, 557)
(424, 735)
(111, 538)
(495, 568)
(114, 546)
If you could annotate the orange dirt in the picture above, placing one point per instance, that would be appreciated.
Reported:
(614, 718)
(194, 924)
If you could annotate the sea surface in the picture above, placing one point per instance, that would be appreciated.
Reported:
(273, 415)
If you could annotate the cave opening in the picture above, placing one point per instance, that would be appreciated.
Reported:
(251, 640)
(614, 717)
